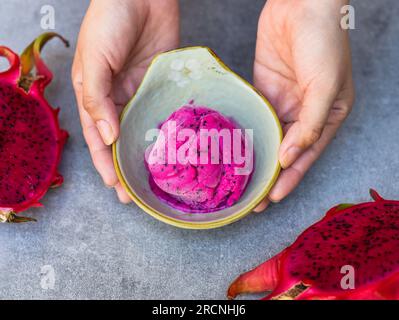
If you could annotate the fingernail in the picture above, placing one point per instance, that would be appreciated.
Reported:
(262, 206)
(106, 132)
(272, 200)
(290, 156)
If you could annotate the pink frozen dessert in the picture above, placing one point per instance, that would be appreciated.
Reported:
(194, 163)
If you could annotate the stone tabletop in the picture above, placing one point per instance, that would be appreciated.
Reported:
(99, 248)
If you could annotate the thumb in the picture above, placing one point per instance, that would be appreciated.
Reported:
(311, 121)
(97, 86)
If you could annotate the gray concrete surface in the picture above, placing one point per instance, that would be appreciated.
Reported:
(102, 249)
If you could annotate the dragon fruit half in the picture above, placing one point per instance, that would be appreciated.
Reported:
(31, 140)
(363, 239)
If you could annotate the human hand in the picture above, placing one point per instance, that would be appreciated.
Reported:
(303, 66)
(116, 43)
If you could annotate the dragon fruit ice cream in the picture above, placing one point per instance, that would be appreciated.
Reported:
(200, 162)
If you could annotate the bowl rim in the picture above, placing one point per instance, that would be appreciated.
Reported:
(188, 224)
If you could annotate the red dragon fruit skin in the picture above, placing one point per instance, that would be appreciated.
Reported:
(197, 188)
(31, 140)
(364, 236)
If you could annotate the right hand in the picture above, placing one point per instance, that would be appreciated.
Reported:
(117, 41)
(303, 66)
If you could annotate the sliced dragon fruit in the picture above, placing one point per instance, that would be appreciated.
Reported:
(31, 140)
(359, 241)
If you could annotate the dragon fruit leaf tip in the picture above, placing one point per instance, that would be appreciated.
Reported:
(12, 74)
(261, 279)
(31, 56)
(363, 237)
(31, 140)
(374, 194)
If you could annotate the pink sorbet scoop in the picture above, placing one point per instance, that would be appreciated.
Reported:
(191, 173)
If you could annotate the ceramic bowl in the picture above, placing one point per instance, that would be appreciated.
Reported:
(173, 79)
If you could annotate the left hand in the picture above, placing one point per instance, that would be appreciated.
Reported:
(117, 42)
(303, 66)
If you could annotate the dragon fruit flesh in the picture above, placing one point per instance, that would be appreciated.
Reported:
(360, 241)
(196, 188)
(31, 140)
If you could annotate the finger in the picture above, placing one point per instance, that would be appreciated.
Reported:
(286, 183)
(262, 206)
(122, 194)
(290, 177)
(97, 101)
(100, 153)
(308, 129)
